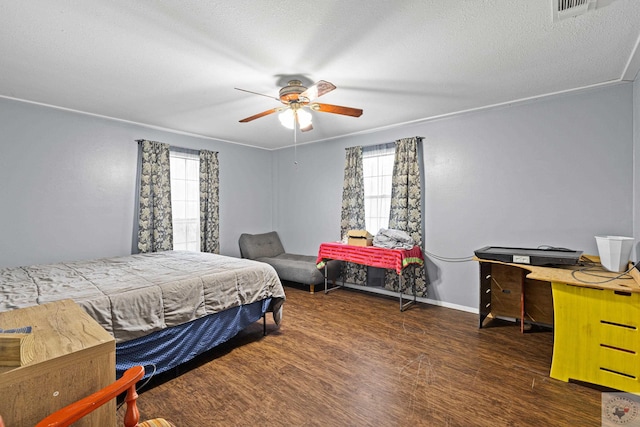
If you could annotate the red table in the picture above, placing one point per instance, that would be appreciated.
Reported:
(373, 256)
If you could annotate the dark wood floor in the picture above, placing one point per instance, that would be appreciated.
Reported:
(353, 359)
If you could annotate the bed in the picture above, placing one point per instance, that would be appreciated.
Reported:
(163, 308)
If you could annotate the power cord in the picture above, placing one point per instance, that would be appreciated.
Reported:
(448, 259)
(470, 258)
(142, 386)
(592, 265)
(148, 379)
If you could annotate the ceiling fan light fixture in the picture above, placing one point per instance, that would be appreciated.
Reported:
(287, 118)
(304, 118)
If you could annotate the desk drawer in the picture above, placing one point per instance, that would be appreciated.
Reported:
(506, 290)
(597, 337)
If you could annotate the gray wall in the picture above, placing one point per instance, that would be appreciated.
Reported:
(68, 185)
(554, 171)
(636, 166)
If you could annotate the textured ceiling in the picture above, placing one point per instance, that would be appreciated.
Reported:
(175, 64)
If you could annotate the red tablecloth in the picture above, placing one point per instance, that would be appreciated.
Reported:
(395, 259)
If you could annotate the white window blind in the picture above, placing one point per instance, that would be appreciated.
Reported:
(377, 165)
(185, 200)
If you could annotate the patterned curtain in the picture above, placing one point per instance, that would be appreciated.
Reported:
(353, 210)
(209, 202)
(406, 208)
(155, 229)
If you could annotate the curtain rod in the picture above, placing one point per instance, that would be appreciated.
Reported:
(177, 148)
(420, 138)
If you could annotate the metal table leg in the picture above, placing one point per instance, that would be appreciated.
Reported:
(334, 287)
(406, 305)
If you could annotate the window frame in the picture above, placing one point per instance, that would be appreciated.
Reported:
(185, 199)
(377, 165)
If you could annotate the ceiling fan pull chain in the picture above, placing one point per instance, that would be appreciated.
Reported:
(295, 144)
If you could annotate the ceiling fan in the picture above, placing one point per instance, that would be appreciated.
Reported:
(296, 99)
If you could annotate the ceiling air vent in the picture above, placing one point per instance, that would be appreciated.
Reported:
(563, 9)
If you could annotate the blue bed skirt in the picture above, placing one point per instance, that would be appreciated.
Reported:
(170, 347)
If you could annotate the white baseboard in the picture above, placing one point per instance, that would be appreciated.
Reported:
(382, 291)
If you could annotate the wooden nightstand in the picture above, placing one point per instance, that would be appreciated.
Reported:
(73, 357)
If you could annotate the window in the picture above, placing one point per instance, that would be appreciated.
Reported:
(377, 165)
(185, 200)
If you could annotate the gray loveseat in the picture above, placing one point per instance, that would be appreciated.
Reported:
(296, 268)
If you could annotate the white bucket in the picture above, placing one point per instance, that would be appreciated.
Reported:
(614, 252)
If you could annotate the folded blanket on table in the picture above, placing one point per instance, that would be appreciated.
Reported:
(393, 239)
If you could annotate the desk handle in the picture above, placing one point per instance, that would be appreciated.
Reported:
(623, 293)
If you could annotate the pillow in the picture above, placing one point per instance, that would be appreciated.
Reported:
(254, 246)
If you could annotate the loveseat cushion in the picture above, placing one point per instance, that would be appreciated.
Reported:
(296, 268)
(254, 246)
(301, 268)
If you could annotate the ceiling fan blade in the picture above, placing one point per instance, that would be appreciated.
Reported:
(257, 116)
(256, 93)
(336, 109)
(317, 90)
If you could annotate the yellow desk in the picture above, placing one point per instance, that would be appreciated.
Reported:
(596, 325)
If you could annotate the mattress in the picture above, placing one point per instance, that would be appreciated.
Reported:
(134, 296)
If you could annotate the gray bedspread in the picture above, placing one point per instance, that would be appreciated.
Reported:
(135, 295)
